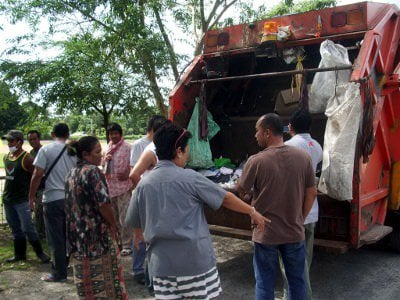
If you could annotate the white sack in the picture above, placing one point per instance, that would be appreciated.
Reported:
(344, 113)
(324, 83)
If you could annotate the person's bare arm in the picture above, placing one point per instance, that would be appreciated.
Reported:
(236, 204)
(28, 163)
(37, 176)
(309, 200)
(137, 237)
(147, 161)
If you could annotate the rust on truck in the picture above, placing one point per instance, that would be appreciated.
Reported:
(241, 78)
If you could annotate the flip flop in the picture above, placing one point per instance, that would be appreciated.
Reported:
(126, 252)
(51, 278)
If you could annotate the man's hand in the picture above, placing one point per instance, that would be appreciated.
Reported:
(258, 220)
(32, 203)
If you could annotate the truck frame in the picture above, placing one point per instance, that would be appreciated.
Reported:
(238, 77)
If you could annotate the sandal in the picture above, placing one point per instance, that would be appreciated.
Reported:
(126, 252)
(51, 278)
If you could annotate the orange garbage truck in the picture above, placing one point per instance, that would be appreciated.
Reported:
(343, 64)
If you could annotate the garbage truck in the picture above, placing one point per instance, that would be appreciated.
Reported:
(341, 63)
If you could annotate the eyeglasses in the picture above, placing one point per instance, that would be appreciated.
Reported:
(180, 137)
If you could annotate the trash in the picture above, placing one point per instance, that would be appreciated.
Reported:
(200, 155)
(226, 171)
(325, 83)
(283, 33)
(223, 162)
(343, 112)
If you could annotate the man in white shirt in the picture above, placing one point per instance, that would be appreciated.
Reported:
(54, 197)
(299, 129)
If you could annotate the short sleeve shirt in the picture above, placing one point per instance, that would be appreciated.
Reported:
(279, 177)
(137, 149)
(313, 148)
(168, 204)
(86, 191)
(55, 183)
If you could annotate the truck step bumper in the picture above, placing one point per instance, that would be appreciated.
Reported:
(374, 234)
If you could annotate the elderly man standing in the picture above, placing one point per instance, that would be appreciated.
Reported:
(53, 162)
(282, 181)
(18, 167)
(116, 168)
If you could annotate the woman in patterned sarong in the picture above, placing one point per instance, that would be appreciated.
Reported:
(91, 229)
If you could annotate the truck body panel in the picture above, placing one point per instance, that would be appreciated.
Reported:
(225, 75)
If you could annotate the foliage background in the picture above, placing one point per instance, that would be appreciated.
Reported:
(113, 61)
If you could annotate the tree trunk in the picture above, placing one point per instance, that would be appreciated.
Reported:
(172, 56)
(106, 122)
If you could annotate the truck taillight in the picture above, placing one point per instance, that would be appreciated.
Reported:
(220, 39)
(352, 17)
(223, 39)
(212, 40)
(339, 19)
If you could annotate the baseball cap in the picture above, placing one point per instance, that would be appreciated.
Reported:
(13, 135)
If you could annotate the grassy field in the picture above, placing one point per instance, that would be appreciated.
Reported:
(7, 250)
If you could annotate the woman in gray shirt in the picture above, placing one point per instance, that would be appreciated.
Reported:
(168, 207)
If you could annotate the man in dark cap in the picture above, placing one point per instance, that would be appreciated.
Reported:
(18, 167)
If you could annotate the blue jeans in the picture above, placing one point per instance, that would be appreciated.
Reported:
(54, 220)
(138, 257)
(266, 266)
(19, 219)
(309, 246)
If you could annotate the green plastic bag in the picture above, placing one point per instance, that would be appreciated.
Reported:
(223, 162)
(200, 155)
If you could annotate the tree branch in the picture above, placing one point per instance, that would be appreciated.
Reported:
(170, 49)
(224, 9)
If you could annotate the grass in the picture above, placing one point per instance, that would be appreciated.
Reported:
(1, 160)
(7, 250)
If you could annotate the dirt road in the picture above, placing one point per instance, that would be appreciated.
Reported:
(358, 274)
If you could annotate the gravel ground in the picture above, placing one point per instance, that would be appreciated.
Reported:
(366, 273)
(231, 253)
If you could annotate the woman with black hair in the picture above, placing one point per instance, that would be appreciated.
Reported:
(168, 206)
(91, 228)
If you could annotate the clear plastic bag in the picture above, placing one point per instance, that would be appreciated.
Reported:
(325, 83)
(344, 114)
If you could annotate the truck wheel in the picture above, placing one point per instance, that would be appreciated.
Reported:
(394, 240)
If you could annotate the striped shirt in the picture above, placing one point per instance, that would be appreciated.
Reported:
(203, 286)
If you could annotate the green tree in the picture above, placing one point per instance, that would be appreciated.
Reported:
(135, 40)
(135, 30)
(38, 118)
(12, 114)
(87, 77)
